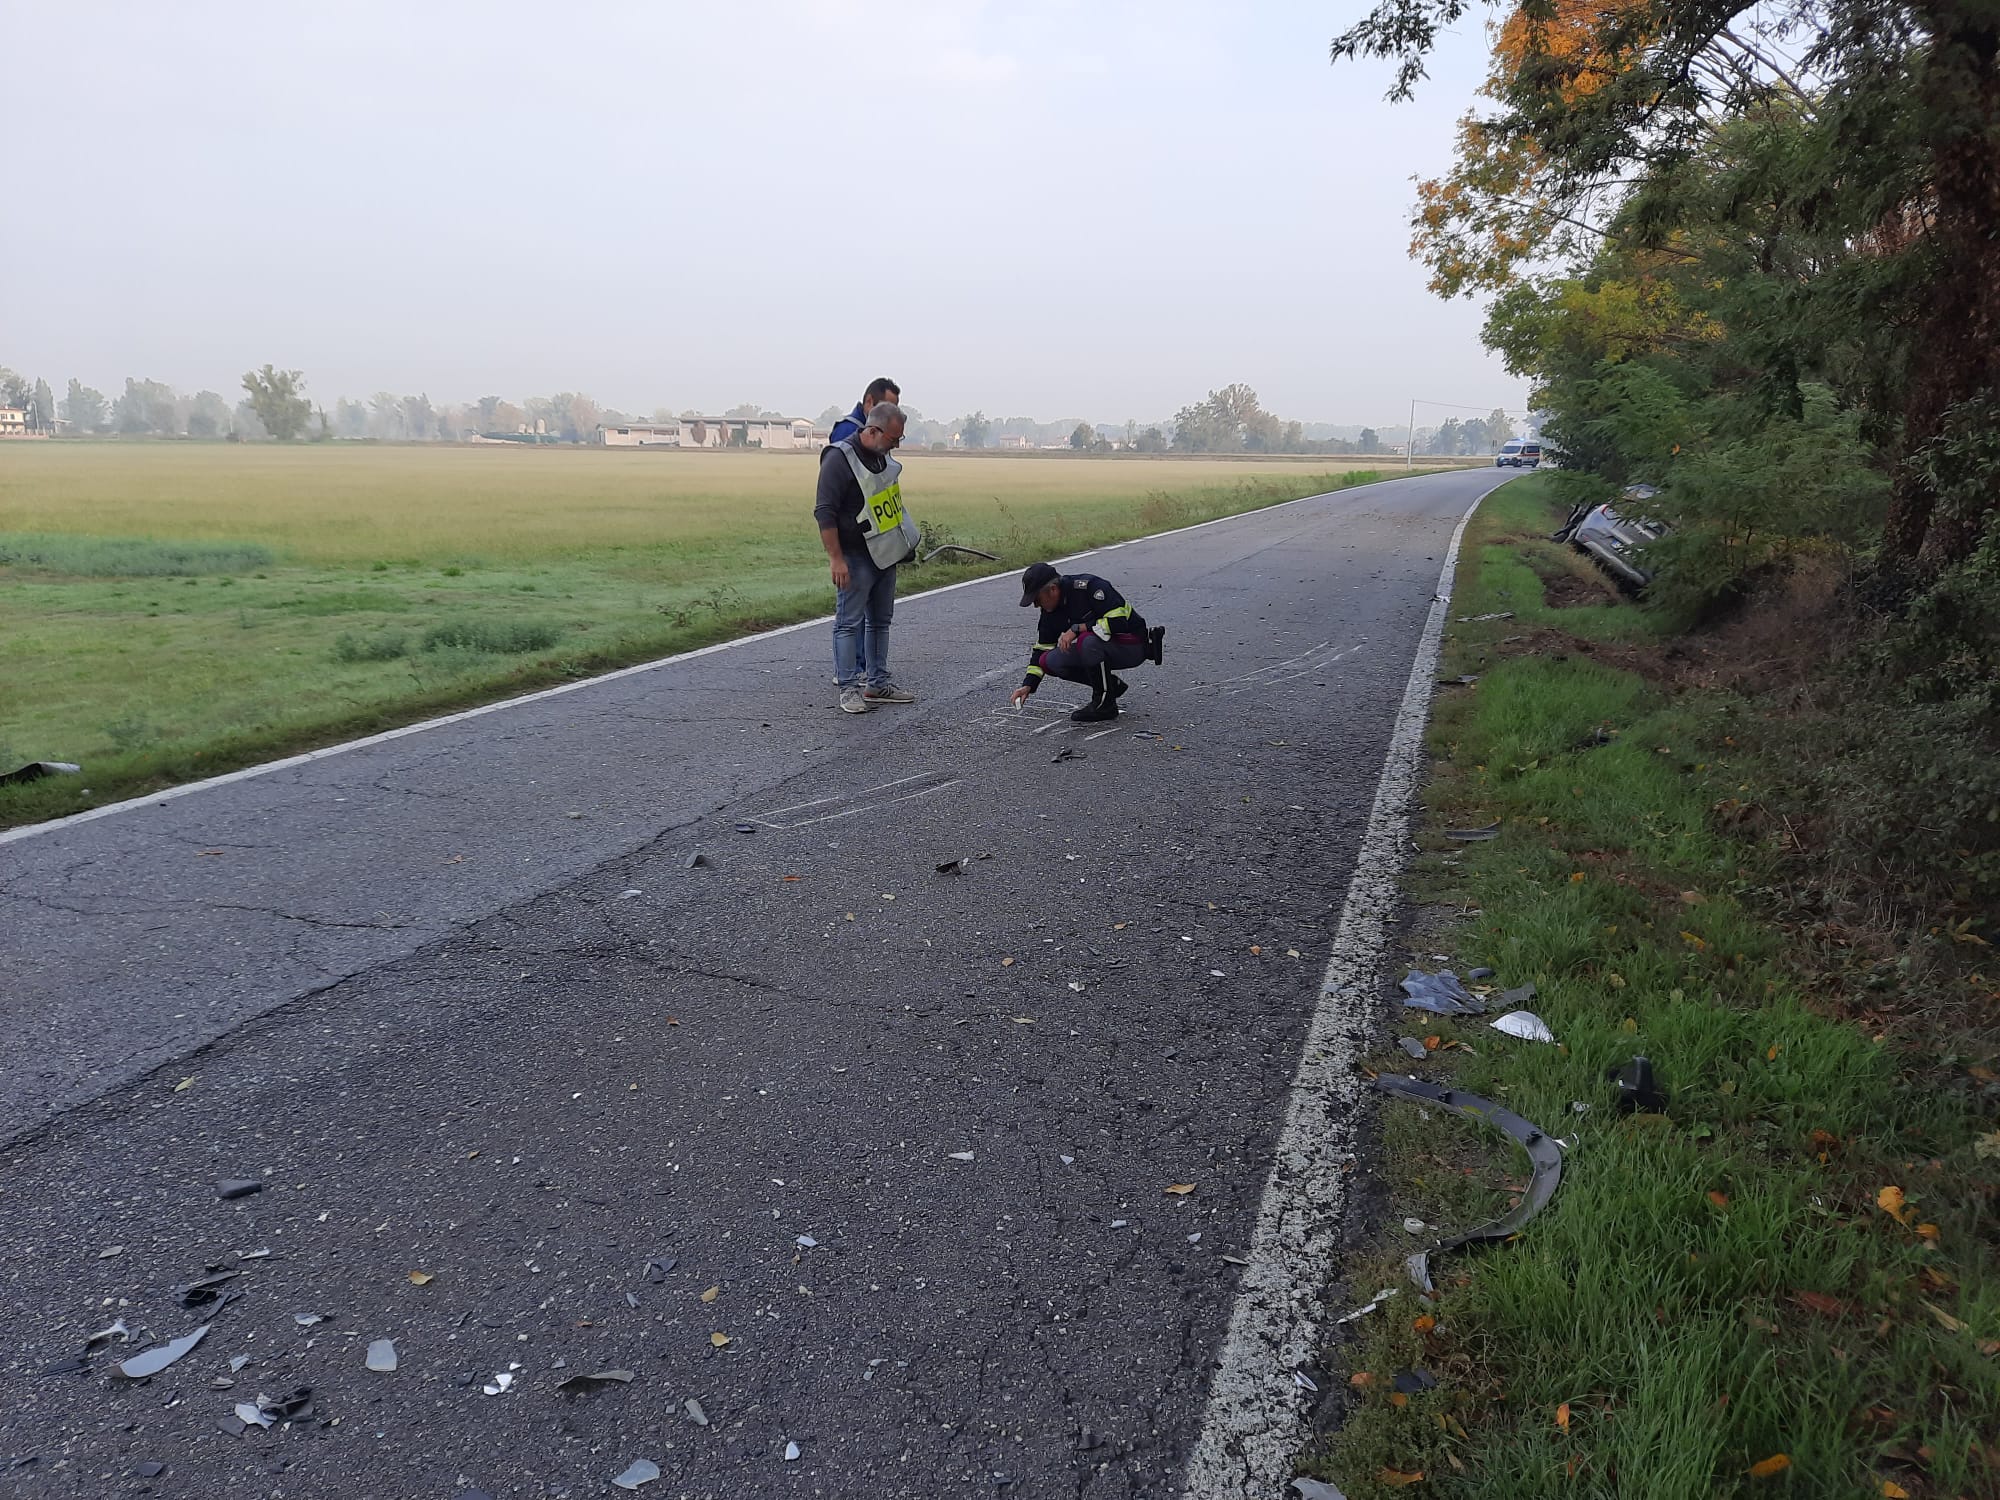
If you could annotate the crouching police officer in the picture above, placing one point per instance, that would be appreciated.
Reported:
(1088, 634)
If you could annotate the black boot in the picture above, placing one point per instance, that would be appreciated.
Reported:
(1103, 699)
(1118, 686)
(1156, 641)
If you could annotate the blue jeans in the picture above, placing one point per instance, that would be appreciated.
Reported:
(861, 615)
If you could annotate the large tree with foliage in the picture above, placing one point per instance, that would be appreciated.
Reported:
(278, 399)
(1841, 157)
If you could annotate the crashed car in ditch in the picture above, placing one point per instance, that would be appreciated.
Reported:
(1616, 538)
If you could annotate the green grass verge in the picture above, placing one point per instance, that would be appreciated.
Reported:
(1712, 1287)
(153, 662)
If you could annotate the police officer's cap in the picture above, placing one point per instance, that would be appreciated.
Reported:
(1034, 580)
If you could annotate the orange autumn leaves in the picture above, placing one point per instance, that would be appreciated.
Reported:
(1571, 42)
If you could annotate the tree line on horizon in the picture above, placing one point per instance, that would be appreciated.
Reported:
(274, 406)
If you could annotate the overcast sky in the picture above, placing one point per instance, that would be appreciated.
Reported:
(1095, 208)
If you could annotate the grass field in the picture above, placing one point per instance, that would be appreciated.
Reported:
(171, 611)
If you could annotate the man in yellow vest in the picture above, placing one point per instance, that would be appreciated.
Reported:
(867, 534)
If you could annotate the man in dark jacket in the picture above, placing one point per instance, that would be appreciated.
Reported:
(861, 475)
(1087, 633)
(880, 389)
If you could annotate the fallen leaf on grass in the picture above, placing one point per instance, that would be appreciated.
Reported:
(1180, 1189)
(1562, 1416)
(1425, 1324)
(1693, 898)
(1893, 1491)
(1396, 1479)
(1983, 1074)
(1398, 1399)
(1699, 944)
(1945, 1319)
(1987, 1147)
(1928, 1232)
(1821, 1303)
(1890, 1201)
(1771, 1053)
(421, 1278)
(1764, 1468)
(1361, 1380)
(1720, 1200)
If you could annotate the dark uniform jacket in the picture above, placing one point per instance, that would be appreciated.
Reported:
(1088, 603)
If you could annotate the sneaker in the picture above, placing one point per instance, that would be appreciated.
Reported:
(853, 700)
(1097, 709)
(886, 692)
(1156, 641)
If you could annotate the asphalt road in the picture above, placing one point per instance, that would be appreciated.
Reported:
(466, 1005)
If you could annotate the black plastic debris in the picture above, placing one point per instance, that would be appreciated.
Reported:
(474, 1495)
(1504, 614)
(1316, 1489)
(1542, 1150)
(1474, 835)
(1473, 976)
(657, 1270)
(596, 1380)
(746, 827)
(289, 1407)
(75, 1365)
(234, 1425)
(207, 1292)
(152, 1361)
(1410, 1382)
(238, 1187)
(35, 770)
(149, 1470)
(1066, 753)
(697, 860)
(954, 866)
(1639, 1090)
(1465, 681)
(1440, 993)
(1412, 1046)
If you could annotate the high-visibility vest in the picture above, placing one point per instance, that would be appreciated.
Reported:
(886, 523)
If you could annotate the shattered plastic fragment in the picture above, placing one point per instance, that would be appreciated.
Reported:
(746, 827)
(150, 1469)
(656, 1270)
(238, 1187)
(1413, 1047)
(1638, 1089)
(1316, 1489)
(695, 1414)
(791, 1453)
(1414, 1226)
(961, 1156)
(1410, 1382)
(1524, 1024)
(643, 1471)
(1440, 993)
(696, 860)
(579, 1383)
(1474, 835)
(1367, 1307)
(382, 1356)
(630, 895)
(1304, 1381)
(501, 1381)
(954, 866)
(117, 1331)
(287, 1407)
(306, 1320)
(249, 1413)
(806, 1242)
(205, 1291)
(237, 1362)
(1473, 976)
(1543, 1152)
(154, 1360)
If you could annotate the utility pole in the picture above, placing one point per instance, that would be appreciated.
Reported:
(1410, 438)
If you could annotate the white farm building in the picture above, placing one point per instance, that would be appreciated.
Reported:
(712, 432)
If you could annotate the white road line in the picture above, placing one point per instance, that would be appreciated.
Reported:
(154, 799)
(1254, 1423)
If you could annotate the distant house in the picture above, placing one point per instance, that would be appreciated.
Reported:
(13, 422)
(711, 432)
